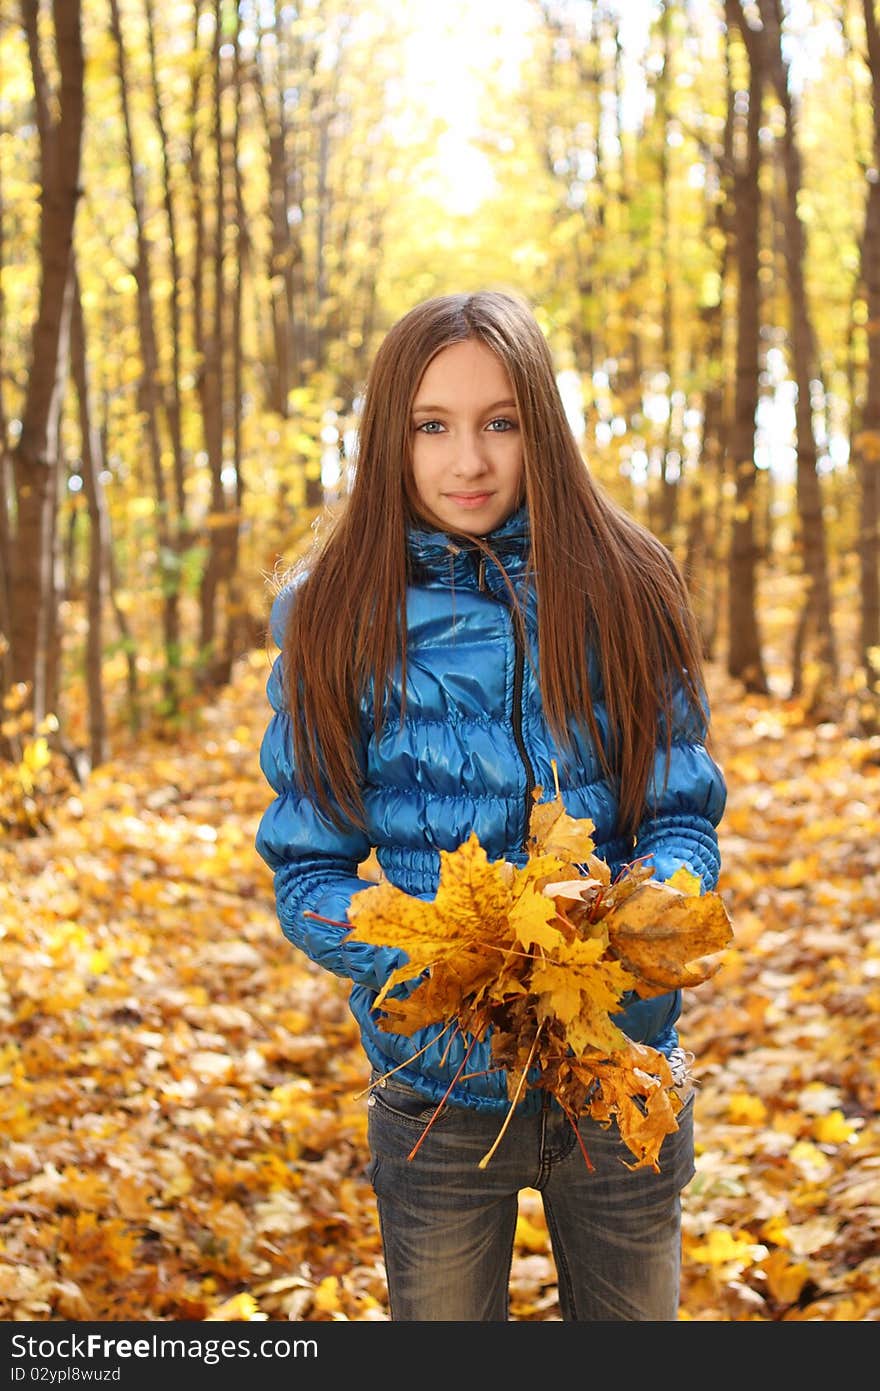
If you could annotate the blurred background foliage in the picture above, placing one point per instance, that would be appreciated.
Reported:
(211, 212)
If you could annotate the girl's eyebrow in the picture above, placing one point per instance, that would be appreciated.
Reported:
(440, 410)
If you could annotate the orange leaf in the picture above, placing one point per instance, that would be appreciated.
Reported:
(659, 934)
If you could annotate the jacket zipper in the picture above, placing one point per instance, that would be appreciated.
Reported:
(518, 669)
(479, 567)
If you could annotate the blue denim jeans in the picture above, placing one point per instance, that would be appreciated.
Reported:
(448, 1226)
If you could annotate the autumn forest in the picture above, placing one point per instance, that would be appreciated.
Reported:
(210, 213)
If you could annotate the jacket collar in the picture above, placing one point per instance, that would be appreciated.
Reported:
(442, 558)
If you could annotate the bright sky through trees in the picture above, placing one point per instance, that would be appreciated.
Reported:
(450, 51)
(453, 50)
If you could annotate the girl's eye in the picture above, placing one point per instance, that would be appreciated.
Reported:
(503, 422)
(427, 426)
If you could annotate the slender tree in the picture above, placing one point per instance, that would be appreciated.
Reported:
(816, 617)
(285, 249)
(630, 357)
(213, 379)
(32, 579)
(668, 502)
(6, 483)
(866, 438)
(744, 655)
(237, 634)
(705, 565)
(152, 398)
(172, 384)
(98, 575)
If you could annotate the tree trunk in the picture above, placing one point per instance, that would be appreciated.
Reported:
(213, 391)
(237, 632)
(172, 396)
(669, 488)
(280, 369)
(35, 459)
(628, 385)
(866, 441)
(590, 243)
(97, 581)
(708, 588)
(817, 599)
(6, 496)
(150, 396)
(744, 658)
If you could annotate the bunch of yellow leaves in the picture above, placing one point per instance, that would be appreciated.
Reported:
(542, 956)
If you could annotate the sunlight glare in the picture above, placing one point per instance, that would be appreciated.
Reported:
(448, 54)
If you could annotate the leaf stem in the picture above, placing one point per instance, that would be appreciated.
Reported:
(587, 1160)
(391, 1071)
(441, 1103)
(519, 1086)
(307, 913)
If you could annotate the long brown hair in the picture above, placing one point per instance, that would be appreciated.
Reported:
(602, 578)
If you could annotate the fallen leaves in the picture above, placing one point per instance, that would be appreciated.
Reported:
(95, 1082)
(178, 1087)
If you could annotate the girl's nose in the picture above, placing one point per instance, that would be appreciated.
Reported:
(469, 459)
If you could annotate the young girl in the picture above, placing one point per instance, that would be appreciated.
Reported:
(480, 610)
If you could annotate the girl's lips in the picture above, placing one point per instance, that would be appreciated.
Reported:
(469, 499)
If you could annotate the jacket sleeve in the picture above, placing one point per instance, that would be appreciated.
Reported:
(314, 863)
(686, 803)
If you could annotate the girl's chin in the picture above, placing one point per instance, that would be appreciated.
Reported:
(471, 520)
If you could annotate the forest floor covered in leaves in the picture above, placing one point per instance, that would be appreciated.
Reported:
(182, 1093)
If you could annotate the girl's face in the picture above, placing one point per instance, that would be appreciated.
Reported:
(466, 442)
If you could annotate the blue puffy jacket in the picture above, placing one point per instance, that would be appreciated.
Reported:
(473, 745)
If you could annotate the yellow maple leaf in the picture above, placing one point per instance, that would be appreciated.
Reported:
(834, 1129)
(744, 1109)
(592, 1028)
(552, 831)
(531, 920)
(685, 881)
(327, 1295)
(724, 1247)
(242, 1308)
(577, 972)
(472, 905)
